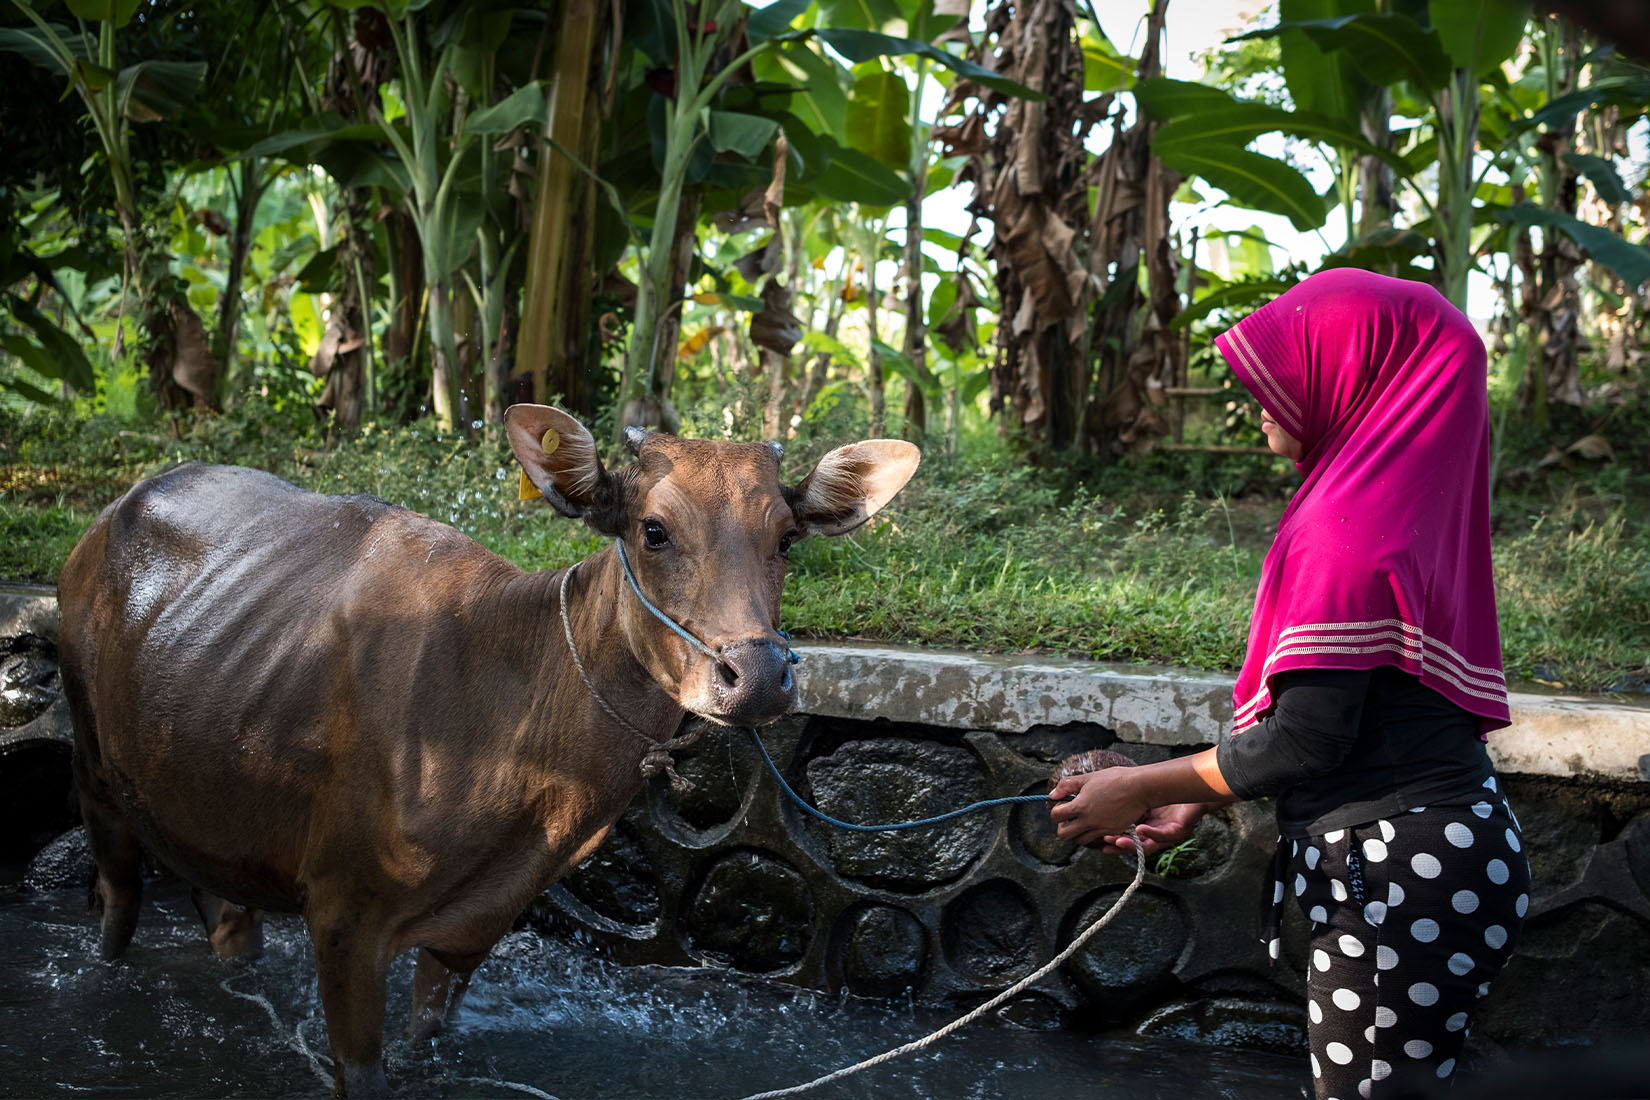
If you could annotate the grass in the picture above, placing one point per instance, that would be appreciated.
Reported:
(1149, 561)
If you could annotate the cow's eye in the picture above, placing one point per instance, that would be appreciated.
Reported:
(654, 534)
(787, 540)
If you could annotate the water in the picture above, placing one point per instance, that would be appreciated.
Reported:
(541, 1019)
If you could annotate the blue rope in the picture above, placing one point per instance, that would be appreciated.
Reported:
(792, 657)
(970, 808)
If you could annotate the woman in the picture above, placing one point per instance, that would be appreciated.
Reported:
(1373, 672)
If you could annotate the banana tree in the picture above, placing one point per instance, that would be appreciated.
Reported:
(704, 57)
(114, 97)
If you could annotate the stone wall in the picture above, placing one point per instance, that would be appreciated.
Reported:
(733, 874)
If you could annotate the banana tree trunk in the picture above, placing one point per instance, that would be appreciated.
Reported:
(554, 344)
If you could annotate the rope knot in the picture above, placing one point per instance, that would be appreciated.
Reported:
(658, 759)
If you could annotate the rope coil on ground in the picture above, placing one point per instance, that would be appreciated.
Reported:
(969, 1017)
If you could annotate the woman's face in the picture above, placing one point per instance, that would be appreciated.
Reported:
(1281, 442)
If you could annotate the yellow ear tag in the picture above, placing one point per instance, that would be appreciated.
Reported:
(551, 440)
(528, 490)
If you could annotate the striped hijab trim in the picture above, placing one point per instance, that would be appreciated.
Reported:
(1382, 636)
(1278, 397)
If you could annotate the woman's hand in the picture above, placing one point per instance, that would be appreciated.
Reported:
(1103, 804)
(1162, 828)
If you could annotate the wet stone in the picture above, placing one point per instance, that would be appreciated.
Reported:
(752, 911)
(1242, 1022)
(1138, 947)
(37, 801)
(617, 881)
(990, 933)
(716, 765)
(1034, 1011)
(888, 780)
(1037, 836)
(1208, 850)
(884, 951)
(63, 864)
(28, 679)
(1558, 840)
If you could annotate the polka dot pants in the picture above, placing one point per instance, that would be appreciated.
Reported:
(1411, 917)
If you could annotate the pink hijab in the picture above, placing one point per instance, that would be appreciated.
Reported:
(1383, 555)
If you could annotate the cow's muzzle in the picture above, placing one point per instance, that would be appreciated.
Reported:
(753, 682)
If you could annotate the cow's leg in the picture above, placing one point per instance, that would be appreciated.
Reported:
(235, 931)
(118, 890)
(439, 984)
(352, 966)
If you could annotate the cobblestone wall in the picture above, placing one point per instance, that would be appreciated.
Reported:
(732, 874)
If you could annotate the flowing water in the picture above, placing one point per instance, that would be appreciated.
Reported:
(543, 1018)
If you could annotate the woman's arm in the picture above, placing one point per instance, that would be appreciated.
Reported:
(1107, 803)
(1313, 724)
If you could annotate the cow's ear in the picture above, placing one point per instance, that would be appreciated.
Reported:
(558, 456)
(851, 484)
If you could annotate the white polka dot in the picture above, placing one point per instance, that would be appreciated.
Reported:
(1495, 937)
(1464, 901)
(1277, 891)
(1346, 1000)
(1339, 1053)
(1351, 946)
(1424, 994)
(1314, 1012)
(1417, 809)
(1366, 1088)
(1385, 1017)
(1394, 894)
(1458, 834)
(1300, 885)
(1489, 784)
(1369, 1036)
(1417, 1048)
(1312, 857)
(1294, 847)
(1482, 809)
(1426, 865)
(1380, 1070)
(1385, 958)
(1316, 1071)
(1512, 839)
(1374, 850)
(1456, 1022)
(1272, 946)
(1335, 837)
(1319, 914)
(1337, 889)
(1522, 905)
(1445, 1068)
(1460, 963)
(1387, 831)
(1498, 872)
(1483, 989)
(1375, 912)
(1320, 959)
(1425, 930)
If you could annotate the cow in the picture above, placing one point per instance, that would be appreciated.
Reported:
(334, 706)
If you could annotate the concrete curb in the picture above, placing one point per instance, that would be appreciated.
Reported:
(1564, 736)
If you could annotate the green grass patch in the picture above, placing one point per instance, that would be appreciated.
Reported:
(1150, 561)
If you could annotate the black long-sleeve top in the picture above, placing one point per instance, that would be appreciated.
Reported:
(1341, 747)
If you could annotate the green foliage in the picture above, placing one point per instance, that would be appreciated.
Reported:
(978, 552)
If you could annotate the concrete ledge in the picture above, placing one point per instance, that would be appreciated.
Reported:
(1550, 735)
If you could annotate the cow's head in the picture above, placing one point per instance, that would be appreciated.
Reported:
(707, 527)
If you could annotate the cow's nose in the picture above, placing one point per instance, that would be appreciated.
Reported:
(754, 680)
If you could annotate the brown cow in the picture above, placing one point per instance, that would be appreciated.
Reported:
(338, 707)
